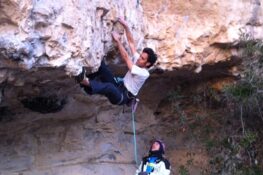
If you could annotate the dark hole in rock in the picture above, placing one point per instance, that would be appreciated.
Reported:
(157, 113)
(45, 104)
(5, 114)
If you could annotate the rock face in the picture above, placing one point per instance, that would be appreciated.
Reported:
(84, 137)
(47, 127)
(77, 33)
(193, 32)
(62, 33)
(92, 141)
(72, 34)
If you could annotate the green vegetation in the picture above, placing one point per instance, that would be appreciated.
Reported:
(210, 143)
(255, 170)
(230, 125)
(245, 100)
(247, 93)
(183, 170)
(248, 139)
(231, 153)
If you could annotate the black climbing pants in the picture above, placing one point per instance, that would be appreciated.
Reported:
(102, 82)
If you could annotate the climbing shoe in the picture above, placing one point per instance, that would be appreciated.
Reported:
(79, 78)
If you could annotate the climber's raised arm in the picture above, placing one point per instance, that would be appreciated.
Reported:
(129, 36)
(123, 52)
(103, 81)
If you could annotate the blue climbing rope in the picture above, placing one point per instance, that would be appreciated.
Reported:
(134, 106)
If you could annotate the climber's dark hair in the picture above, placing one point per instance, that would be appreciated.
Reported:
(152, 57)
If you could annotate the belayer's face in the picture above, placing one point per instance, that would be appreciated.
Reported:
(143, 60)
(155, 146)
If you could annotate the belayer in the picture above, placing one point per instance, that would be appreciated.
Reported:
(155, 163)
(104, 83)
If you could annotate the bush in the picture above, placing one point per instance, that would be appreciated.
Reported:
(247, 93)
(245, 97)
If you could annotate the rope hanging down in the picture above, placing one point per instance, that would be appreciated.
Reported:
(134, 106)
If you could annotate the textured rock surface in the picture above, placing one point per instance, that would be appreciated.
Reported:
(90, 142)
(89, 135)
(77, 33)
(62, 33)
(42, 40)
(191, 32)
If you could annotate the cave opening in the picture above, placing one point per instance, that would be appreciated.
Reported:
(45, 104)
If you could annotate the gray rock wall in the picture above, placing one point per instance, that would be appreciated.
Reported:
(62, 33)
(41, 40)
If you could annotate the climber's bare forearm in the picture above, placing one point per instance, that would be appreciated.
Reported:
(129, 36)
(130, 39)
(124, 55)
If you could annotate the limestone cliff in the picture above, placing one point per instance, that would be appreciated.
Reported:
(62, 33)
(193, 32)
(77, 33)
(48, 127)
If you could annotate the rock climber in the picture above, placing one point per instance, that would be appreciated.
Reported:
(104, 83)
(154, 163)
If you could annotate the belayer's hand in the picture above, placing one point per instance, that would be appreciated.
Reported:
(115, 36)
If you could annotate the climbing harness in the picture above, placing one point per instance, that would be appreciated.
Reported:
(135, 102)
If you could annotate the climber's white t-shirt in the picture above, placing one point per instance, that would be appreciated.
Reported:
(135, 78)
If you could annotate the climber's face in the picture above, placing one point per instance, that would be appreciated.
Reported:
(143, 60)
(155, 146)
